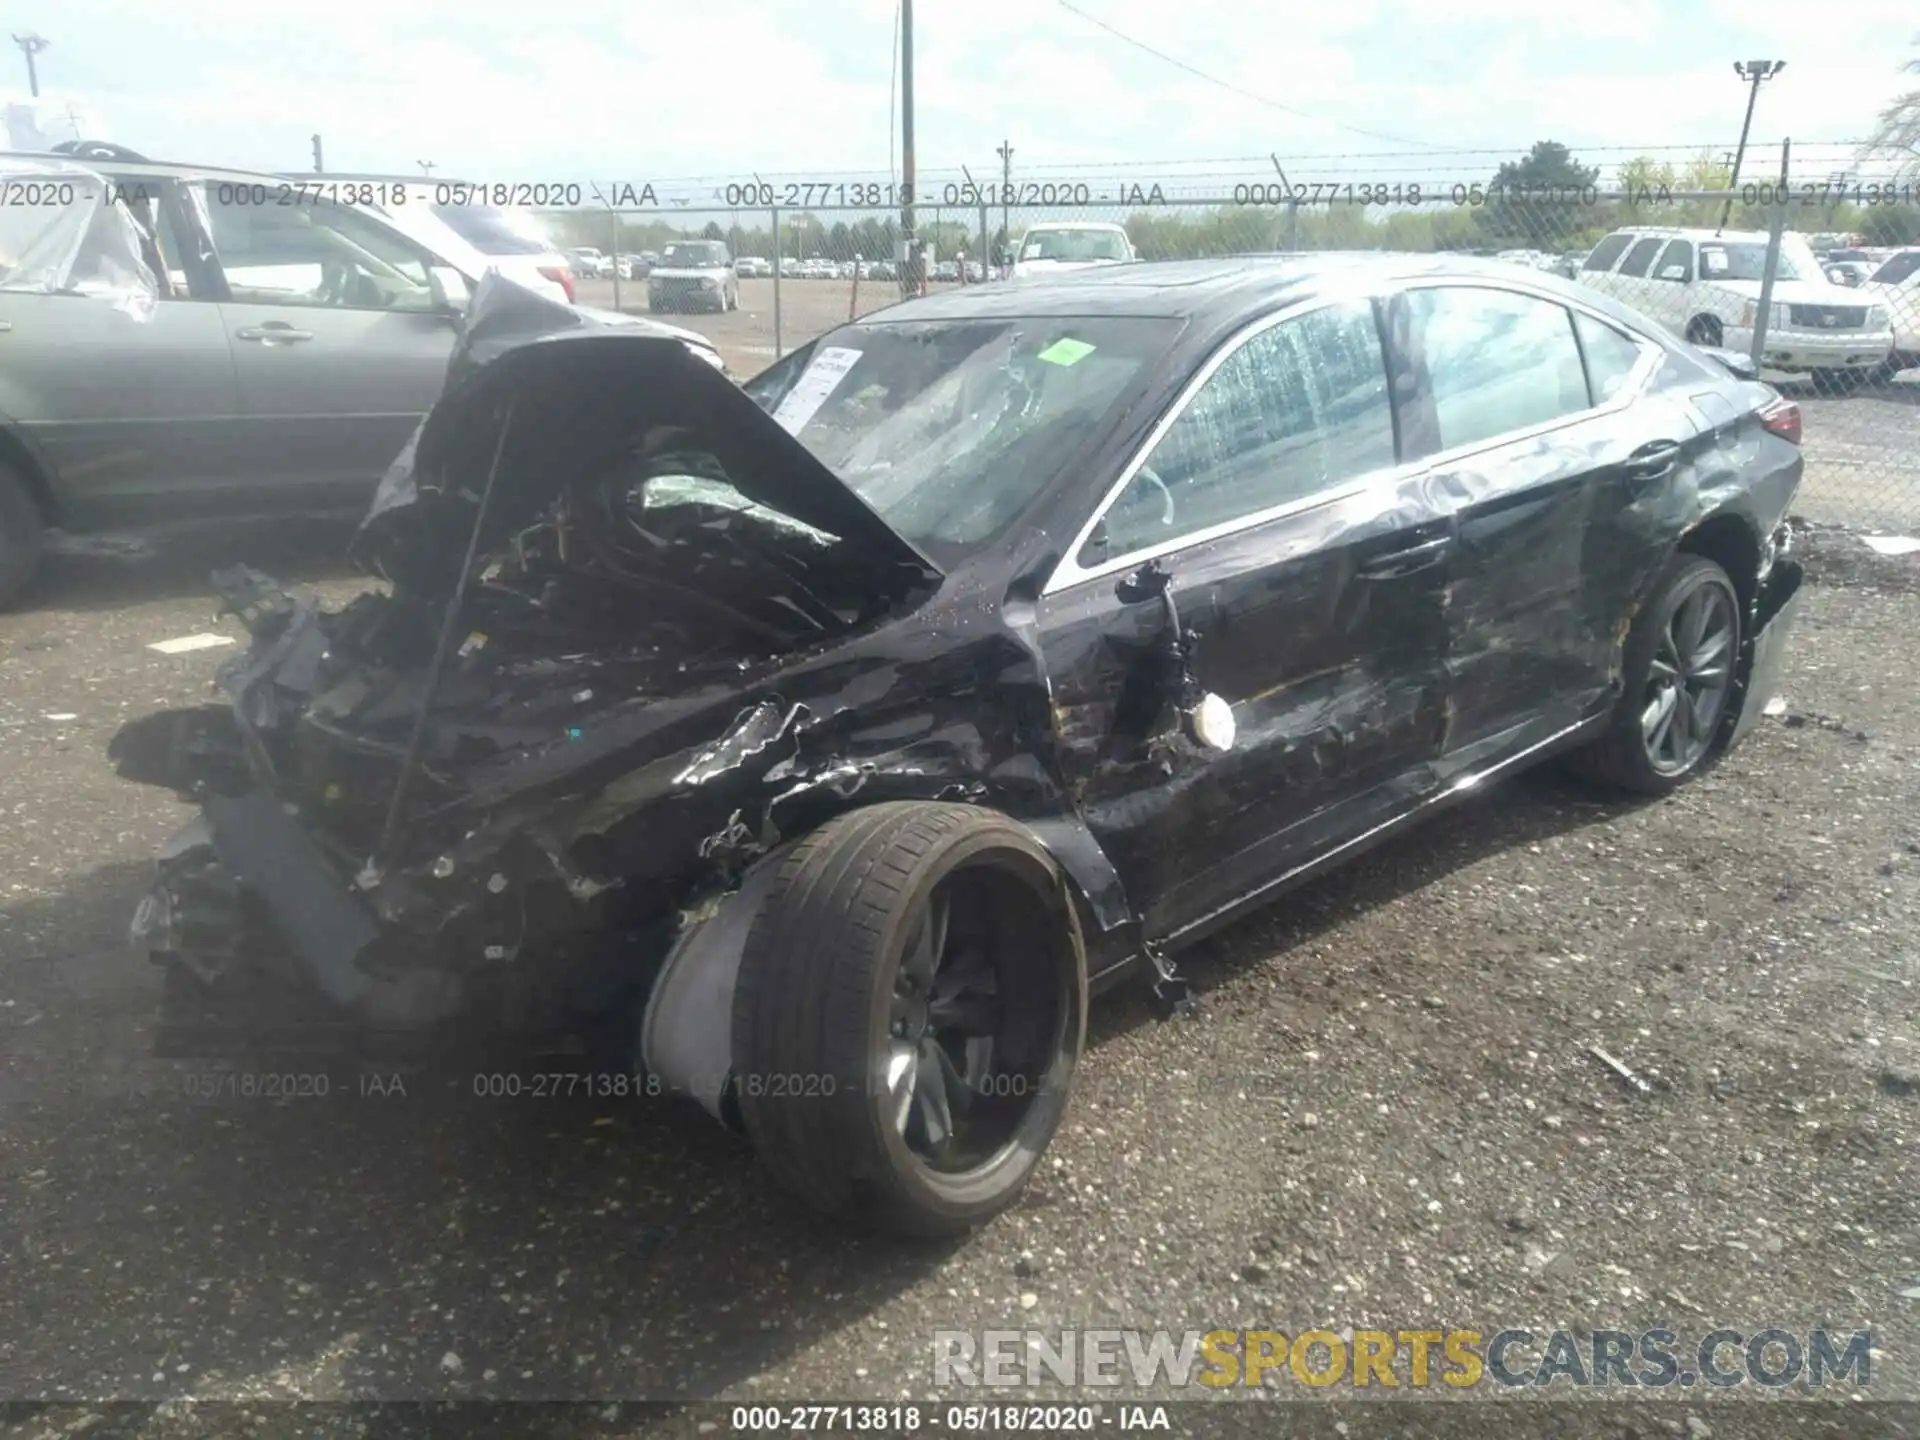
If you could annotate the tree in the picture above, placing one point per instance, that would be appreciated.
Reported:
(1898, 133)
(1535, 201)
(712, 231)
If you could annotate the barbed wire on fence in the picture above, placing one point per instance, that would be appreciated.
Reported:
(1696, 166)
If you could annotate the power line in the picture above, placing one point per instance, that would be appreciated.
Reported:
(1226, 84)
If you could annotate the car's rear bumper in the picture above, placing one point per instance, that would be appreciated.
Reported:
(1774, 612)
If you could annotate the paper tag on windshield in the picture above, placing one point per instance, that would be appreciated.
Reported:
(819, 380)
(1066, 352)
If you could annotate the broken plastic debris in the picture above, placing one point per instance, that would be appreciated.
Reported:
(185, 643)
(62, 715)
(1776, 706)
(1620, 1069)
(1891, 544)
(1065, 351)
(472, 643)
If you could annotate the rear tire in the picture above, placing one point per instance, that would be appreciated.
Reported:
(1626, 756)
(848, 1063)
(1705, 330)
(23, 536)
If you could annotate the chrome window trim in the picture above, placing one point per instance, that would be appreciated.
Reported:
(1068, 571)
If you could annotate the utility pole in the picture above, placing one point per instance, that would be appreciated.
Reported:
(910, 270)
(318, 168)
(1005, 152)
(426, 167)
(31, 45)
(1754, 72)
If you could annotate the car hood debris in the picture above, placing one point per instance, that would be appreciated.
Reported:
(583, 390)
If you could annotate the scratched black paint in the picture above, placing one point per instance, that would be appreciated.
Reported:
(611, 753)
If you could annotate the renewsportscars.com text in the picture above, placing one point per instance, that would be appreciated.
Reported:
(1771, 1357)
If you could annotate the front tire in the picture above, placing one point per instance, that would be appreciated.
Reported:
(909, 1010)
(1678, 667)
(23, 536)
(1705, 330)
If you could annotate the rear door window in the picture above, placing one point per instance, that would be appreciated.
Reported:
(1612, 357)
(1498, 362)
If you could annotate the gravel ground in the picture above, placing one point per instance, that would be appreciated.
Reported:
(1386, 1116)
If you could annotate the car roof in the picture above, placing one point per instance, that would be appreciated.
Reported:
(1208, 291)
(1076, 225)
(156, 169)
(1696, 232)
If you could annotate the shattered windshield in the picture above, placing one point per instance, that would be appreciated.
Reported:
(949, 429)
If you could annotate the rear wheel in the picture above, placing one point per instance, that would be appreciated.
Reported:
(909, 1010)
(23, 536)
(1678, 667)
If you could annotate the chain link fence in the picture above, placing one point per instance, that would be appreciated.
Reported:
(1819, 282)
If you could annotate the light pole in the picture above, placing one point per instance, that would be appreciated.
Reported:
(426, 167)
(910, 275)
(1755, 73)
(31, 45)
(1005, 152)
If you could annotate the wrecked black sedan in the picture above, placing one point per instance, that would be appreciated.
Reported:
(839, 734)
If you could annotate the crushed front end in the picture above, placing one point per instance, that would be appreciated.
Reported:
(491, 791)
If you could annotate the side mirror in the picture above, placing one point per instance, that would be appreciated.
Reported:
(1674, 272)
(449, 289)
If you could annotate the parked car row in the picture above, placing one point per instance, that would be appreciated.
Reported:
(1706, 286)
(176, 349)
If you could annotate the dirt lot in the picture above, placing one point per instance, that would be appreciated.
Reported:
(1386, 1116)
(1863, 462)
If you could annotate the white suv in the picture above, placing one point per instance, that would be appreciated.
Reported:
(1896, 285)
(1706, 286)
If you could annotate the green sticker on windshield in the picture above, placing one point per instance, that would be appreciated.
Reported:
(1066, 352)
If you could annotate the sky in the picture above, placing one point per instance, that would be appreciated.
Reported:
(642, 91)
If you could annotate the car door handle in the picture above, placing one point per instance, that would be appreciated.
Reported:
(272, 332)
(1406, 560)
(1653, 461)
(5, 326)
